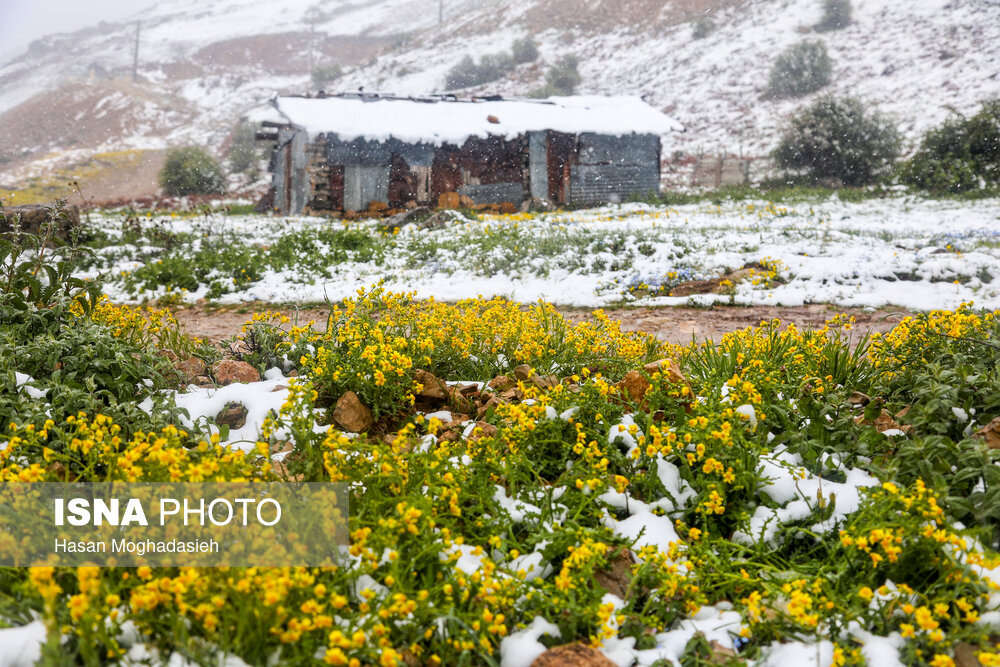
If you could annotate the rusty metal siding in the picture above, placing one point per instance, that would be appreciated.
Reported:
(291, 176)
(564, 168)
(613, 169)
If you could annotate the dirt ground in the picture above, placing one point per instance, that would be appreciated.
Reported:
(674, 324)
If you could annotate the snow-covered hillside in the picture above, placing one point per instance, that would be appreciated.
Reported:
(203, 65)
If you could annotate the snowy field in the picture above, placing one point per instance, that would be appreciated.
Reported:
(903, 251)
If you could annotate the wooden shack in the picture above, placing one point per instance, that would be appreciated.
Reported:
(345, 152)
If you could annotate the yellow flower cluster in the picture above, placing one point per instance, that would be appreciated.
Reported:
(92, 449)
(921, 334)
(137, 325)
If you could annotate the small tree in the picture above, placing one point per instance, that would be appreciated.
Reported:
(702, 27)
(801, 69)
(836, 15)
(468, 72)
(962, 154)
(838, 139)
(563, 78)
(524, 51)
(191, 171)
(324, 75)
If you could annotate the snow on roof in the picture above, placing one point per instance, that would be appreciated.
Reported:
(442, 120)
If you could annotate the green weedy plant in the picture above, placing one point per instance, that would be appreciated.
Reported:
(324, 75)
(702, 27)
(468, 72)
(46, 333)
(836, 15)
(801, 69)
(961, 155)
(839, 140)
(492, 66)
(524, 51)
(32, 274)
(191, 171)
(561, 79)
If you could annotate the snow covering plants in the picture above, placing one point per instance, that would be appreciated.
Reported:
(764, 503)
(963, 154)
(836, 15)
(191, 171)
(897, 250)
(838, 140)
(801, 69)
(561, 79)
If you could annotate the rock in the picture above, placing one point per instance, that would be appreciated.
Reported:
(669, 371)
(514, 394)
(204, 381)
(432, 388)
(483, 430)
(468, 389)
(492, 403)
(884, 422)
(31, 218)
(858, 398)
(439, 220)
(168, 355)
(697, 287)
(500, 383)
(466, 202)
(459, 402)
(492, 119)
(377, 206)
(617, 576)
(572, 655)
(279, 387)
(191, 368)
(523, 372)
(230, 371)
(545, 381)
(400, 220)
(536, 204)
(449, 200)
(633, 386)
(234, 415)
(507, 207)
(59, 470)
(351, 414)
(965, 655)
(991, 434)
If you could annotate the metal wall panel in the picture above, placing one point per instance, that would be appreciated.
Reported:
(300, 176)
(641, 149)
(595, 184)
(613, 169)
(537, 166)
(363, 185)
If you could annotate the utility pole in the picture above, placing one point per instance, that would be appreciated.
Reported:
(135, 53)
(312, 39)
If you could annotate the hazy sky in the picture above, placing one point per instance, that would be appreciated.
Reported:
(22, 21)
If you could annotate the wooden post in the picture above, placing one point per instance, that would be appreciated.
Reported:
(135, 53)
